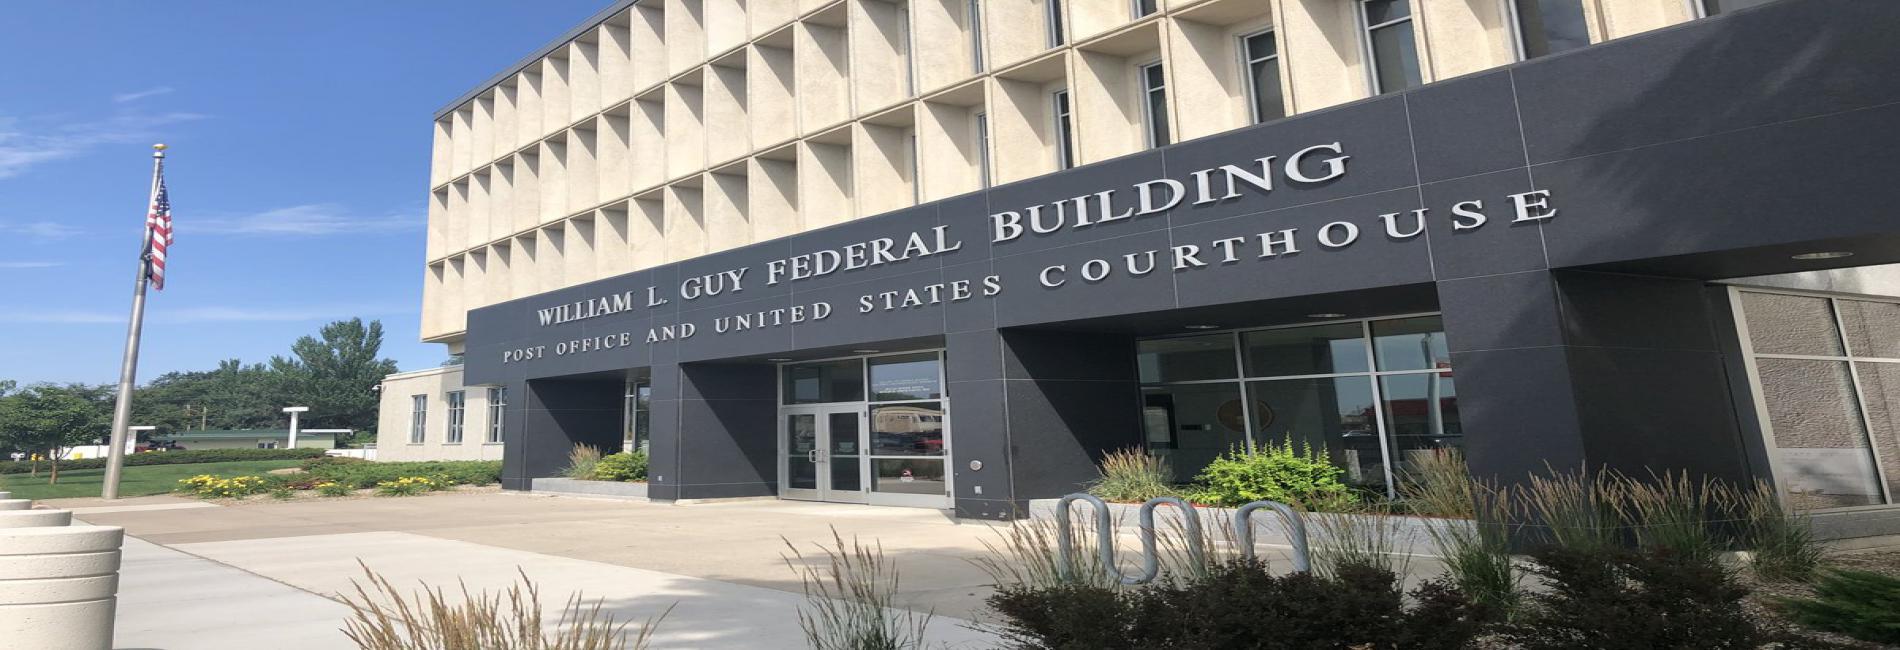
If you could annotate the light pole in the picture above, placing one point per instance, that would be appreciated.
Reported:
(293, 411)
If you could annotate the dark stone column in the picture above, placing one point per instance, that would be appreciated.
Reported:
(714, 433)
(1568, 368)
(554, 416)
(979, 425)
(1072, 397)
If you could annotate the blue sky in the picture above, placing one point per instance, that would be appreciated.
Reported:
(298, 169)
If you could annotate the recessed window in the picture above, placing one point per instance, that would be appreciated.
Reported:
(1065, 132)
(1266, 97)
(1154, 92)
(497, 405)
(975, 17)
(1550, 26)
(983, 148)
(418, 417)
(457, 416)
(1389, 44)
(1144, 7)
(1054, 18)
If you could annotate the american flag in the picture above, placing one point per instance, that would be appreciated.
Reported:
(159, 223)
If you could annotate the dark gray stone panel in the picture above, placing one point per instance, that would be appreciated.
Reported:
(708, 273)
(1374, 259)
(1710, 76)
(1649, 411)
(849, 325)
(897, 226)
(1633, 311)
(1025, 301)
(1498, 245)
(1500, 312)
(1059, 430)
(1047, 355)
(1466, 126)
(1519, 412)
(979, 432)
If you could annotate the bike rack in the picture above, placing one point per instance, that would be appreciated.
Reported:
(1150, 557)
(1296, 529)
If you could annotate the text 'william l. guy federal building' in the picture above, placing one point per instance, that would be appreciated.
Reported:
(947, 253)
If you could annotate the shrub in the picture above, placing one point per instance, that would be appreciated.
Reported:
(582, 461)
(368, 474)
(624, 466)
(213, 487)
(1675, 513)
(1241, 605)
(1614, 598)
(1364, 537)
(1476, 555)
(397, 619)
(1859, 604)
(1783, 544)
(334, 489)
(1273, 472)
(1133, 476)
(183, 457)
(849, 600)
(408, 486)
(283, 493)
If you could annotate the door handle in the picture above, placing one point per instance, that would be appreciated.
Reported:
(812, 456)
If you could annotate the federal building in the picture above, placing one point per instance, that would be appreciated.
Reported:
(947, 253)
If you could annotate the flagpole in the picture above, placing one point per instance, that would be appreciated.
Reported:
(122, 409)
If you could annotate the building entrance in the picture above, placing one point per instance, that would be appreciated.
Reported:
(822, 457)
(865, 430)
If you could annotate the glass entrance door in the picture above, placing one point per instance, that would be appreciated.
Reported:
(821, 455)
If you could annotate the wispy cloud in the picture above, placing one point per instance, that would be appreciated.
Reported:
(122, 98)
(310, 220)
(212, 314)
(30, 265)
(26, 143)
(40, 230)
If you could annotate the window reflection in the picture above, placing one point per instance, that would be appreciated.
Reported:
(907, 429)
(824, 381)
(905, 377)
(1334, 414)
(1190, 424)
(1421, 415)
(1316, 350)
(1188, 358)
(1411, 343)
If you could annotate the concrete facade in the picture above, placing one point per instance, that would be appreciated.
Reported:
(1575, 223)
(394, 439)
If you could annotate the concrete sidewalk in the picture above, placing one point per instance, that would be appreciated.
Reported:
(170, 600)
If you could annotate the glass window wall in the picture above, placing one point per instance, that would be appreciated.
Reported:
(1371, 394)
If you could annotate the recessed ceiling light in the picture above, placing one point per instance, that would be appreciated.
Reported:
(1203, 327)
(779, 359)
(864, 351)
(1824, 255)
(1327, 314)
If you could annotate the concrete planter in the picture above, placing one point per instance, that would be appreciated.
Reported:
(59, 586)
(4, 495)
(613, 489)
(1410, 534)
(35, 518)
(15, 504)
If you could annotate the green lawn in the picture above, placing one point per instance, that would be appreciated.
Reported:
(137, 481)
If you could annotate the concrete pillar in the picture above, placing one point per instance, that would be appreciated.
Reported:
(58, 586)
(35, 518)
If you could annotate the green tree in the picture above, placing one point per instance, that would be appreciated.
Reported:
(234, 396)
(47, 419)
(333, 375)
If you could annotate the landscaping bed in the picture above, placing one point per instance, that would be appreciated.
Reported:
(335, 477)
